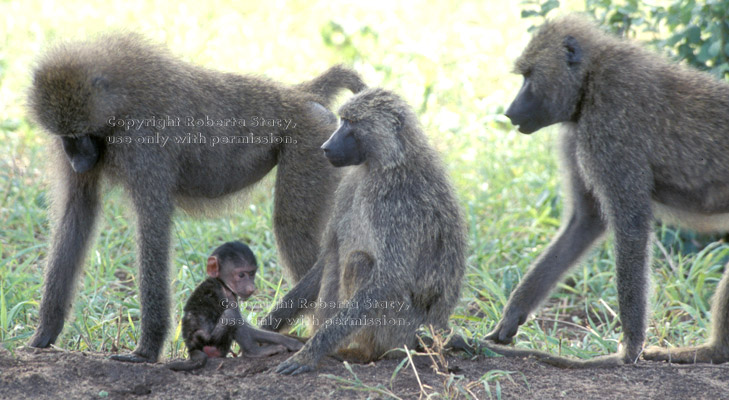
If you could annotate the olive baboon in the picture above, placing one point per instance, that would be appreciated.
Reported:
(212, 320)
(171, 133)
(642, 137)
(393, 252)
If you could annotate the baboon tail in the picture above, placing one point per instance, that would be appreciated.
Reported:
(329, 83)
(197, 360)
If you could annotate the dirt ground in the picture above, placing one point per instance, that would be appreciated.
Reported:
(48, 374)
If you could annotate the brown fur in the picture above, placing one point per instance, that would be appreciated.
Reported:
(78, 87)
(642, 137)
(396, 234)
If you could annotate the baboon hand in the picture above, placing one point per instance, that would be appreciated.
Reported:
(506, 328)
(42, 338)
(295, 365)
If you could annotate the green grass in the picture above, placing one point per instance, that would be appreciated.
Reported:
(451, 60)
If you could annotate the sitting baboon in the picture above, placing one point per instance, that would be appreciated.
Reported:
(642, 137)
(393, 252)
(212, 319)
(124, 111)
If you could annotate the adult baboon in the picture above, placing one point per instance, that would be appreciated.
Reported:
(212, 320)
(171, 133)
(642, 137)
(393, 253)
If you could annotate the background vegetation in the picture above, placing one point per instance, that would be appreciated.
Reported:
(452, 61)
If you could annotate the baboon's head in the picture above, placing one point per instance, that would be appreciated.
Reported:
(62, 97)
(371, 131)
(554, 66)
(77, 88)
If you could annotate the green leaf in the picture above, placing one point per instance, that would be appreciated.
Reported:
(714, 48)
(693, 34)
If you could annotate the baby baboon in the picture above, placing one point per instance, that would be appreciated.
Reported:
(171, 133)
(212, 320)
(393, 252)
(642, 137)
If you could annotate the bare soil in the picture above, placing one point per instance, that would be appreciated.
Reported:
(52, 374)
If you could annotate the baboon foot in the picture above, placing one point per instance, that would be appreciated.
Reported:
(133, 358)
(706, 353)
(506, 329)
(295, 365)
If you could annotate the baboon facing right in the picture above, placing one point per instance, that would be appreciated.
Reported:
(642, 137)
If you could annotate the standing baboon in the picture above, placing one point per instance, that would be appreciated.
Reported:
(212, 319)
(171, 133)
(393, 252)
(642, 137)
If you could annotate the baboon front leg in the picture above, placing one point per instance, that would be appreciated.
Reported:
(632, 258)
(286, 310)
(154, 217)
(583, 228)
(75, 212)
(247, 336)
(716, 351)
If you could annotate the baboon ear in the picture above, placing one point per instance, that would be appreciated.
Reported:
(213, 267)
(574, 51)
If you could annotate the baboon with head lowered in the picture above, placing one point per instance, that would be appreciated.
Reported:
(170, 133)
(642, 137)
(393, 252)
(212, 319)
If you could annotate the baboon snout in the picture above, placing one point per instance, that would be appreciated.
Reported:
(342, 148)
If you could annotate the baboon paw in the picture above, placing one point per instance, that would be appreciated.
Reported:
(42, 340)
(499, 335)
(506, 328)
(293, 367)
(132, 358)
(685, 355)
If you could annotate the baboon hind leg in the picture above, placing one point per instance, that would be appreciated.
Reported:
(305, 184)
(716, 351)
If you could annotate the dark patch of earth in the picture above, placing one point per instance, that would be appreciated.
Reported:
(53, 374)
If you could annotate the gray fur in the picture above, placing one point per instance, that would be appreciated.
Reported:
(642, 137)
(396, 235)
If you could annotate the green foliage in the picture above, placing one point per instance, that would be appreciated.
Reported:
(697, 32)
